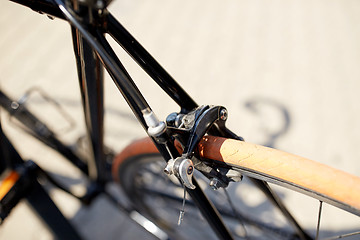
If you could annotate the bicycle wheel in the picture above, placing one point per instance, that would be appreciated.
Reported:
(139, 170)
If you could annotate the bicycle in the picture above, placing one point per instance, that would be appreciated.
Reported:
(199, 111)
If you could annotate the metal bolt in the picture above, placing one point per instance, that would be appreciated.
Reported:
(15, 105)
(169, 167)
(223, 114)
(215, 183)
(190, 170)
(170, 120)
(167, 171)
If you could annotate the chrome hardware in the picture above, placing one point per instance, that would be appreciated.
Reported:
(216, 183)
(186, 171)
(182, 168)
(155, 127)
(223, 114)
(169, 167)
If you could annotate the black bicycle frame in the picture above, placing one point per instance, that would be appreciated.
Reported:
(92, 53)
(133, 96)
(88, 58)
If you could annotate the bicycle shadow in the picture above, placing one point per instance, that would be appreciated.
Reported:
(266, 109)
(65, 116)
(245, 198)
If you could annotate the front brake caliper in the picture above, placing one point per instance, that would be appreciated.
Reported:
(190, 128)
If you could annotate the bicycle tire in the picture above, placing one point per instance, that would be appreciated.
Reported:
(252, 160)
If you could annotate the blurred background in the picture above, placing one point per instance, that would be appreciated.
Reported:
(287, 71)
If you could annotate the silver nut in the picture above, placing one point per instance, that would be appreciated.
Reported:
(223, 114)
(215, 183)
(169, 169)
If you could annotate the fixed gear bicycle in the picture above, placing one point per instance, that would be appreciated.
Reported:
(185, 134)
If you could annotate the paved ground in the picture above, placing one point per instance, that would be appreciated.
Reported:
(276, 57)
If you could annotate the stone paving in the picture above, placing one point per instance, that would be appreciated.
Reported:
(263, 60)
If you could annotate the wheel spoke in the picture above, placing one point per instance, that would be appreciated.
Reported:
(343, 236)
(319, 219)
(238, 217)
(161, 198)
